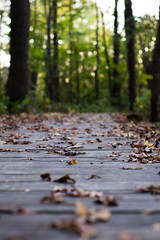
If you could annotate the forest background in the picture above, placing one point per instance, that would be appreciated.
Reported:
(78, 61)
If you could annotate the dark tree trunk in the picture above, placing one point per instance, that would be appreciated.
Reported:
(18, 80)
(97, 55)
(70, 97)
(55, 54)
(155, 99)
(77, 72)
(48, 13)
(107, 56)
(130, 38)
(116, 87)
(34, 72)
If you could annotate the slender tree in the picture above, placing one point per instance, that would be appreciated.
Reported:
(116, 86)
(76, 53)
(55, 53)
(155, 99)
(107, 55)
(34, 70)
(130, 39)
(48, 14)
(97, 54)
(70, 96)
(18, 80)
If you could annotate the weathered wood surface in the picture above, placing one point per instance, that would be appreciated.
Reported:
(22, 187)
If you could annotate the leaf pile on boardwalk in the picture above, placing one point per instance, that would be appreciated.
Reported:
(88, 165)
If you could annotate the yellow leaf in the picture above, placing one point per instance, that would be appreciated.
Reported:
(81, 209)
(73, 161)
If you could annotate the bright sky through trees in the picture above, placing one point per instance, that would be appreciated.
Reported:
(140, 7)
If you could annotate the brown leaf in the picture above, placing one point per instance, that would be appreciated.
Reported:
(151, 189)
(97, 215)
(72, 162)
(108, 201)
(77, 192)
(46, 176)
(128, 236)
(52, 199)
(23, 211)
(65, 179)
(81, 209)
(98, 140)
(77, 226)
(93, 176)
(131, 168)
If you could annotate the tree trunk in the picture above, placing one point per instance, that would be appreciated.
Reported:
(116, 88)
(155, 99)
(130, 38)
(48, 13)
(18, 80)
(97, 55)
(55, 54)
(77, 72)
(107, 55)
(70, 97)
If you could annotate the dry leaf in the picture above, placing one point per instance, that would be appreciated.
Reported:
(65, 179)
(151, 189)
(98, 215)
(77, 226)
(108, 201)
(52, 199)
(156, 227)
(24, 211)
(128, 236)
(77, 192)
(81, 209)
(131, 168)
(72, 162)
(93, 176)
(46, 176)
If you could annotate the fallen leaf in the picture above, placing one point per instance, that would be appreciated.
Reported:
(53, 198)
(65, 179)
(77, 192)
(92, 215)
(93, 176)
(46, 177)
(77, 226)
(128, 236)
(72, 162)
(131, 168)
(81, 209)
(156, 227)
(96, 215)
(24, 211)
(108, 201)
(151, 189)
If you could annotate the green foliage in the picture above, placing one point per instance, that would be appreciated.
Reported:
(3, 105)
(143, 104)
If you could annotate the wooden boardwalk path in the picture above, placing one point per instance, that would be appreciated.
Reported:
(33, 145)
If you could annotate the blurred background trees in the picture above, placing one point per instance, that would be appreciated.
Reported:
(77, 61)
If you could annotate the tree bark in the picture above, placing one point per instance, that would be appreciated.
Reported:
(77, 72)
(116, 87)
(70, 97)
(107, 55)
(55, 54)
(155, 98)
(97, 55)
(18, 79)
(130, 38)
